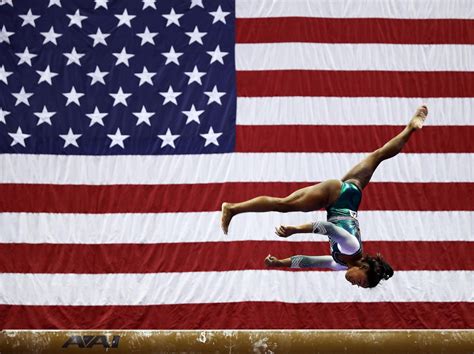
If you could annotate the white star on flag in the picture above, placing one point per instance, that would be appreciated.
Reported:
(73, 57)
(145, 77)
(211, 137)
(123, 57)
(143, 116)
(168, 139)
(172, 18)
(195, 35)
(219, 15)
(22, 97)
(125, 18)
(99, 37)
(3, 114)
(172, 56)
(51, 36)
(170, 96)
(214, 96)
(5, 35)
(147, 36)
(101, 3)
(73, 96)
(25, 57)
(44, 116)
(217, 55)
(195, 75)
(149, 3)
(29, 19)
(196, 3)
(54, 2)
(70, 138)
(117, 139)
(4, 74)
(7, 2)
(19, 137)
(46, 75)
(96, 117)
(193, 115)
(120, 97)
(97, 76)
(76, 19)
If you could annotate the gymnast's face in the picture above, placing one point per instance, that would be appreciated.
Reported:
(357, 276)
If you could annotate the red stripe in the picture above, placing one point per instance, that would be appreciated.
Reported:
(340, 138)
(209, 197)
(354, 30)
(244, 315)
(354, 83)
(215, 256)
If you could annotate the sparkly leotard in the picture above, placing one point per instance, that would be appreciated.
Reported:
(343, 213)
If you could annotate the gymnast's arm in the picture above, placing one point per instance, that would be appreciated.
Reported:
(287, 230)
(301, 261)
(347, 243)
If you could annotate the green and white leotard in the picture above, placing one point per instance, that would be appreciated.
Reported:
(343, 213)
(342, 229)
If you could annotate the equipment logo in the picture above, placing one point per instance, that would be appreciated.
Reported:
(91, 341)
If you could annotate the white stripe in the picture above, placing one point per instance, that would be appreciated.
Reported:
(414, 9)
(205, 227)
(232, 286)
(324, 56)
(234, 167)
(351, 111)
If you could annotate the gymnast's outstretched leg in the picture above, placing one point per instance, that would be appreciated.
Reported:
(305, 199)
(361, 173)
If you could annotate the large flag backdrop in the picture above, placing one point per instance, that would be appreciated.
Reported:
(124, 126)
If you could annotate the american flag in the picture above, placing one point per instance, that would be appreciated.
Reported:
(125, 124)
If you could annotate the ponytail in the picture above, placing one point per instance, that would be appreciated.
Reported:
(377, 270)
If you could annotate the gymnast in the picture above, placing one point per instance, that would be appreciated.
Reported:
(341, 198)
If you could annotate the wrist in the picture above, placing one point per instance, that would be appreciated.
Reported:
(293, 229)
(280, 263)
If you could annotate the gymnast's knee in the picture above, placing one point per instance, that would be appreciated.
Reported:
(288, 204)
(284, 205)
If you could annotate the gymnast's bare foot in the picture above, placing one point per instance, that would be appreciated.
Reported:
(419, 118)
(226, 216)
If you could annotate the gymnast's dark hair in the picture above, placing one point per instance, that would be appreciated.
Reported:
(377, 270)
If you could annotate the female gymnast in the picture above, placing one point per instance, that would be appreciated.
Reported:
(341, 198)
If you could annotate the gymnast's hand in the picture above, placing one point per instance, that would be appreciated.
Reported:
(285, 230)
(271, 261)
